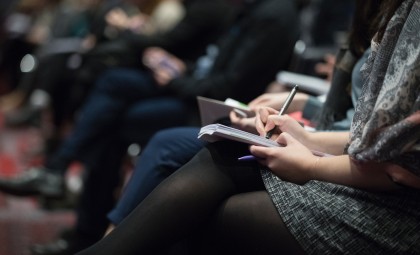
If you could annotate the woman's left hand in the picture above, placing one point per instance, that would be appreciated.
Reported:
(243, 123)
(293, 162)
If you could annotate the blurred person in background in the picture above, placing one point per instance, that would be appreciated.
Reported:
(260, 41)
(66, 66)
(204, 22)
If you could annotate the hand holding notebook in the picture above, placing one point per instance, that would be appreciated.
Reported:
(216, 132)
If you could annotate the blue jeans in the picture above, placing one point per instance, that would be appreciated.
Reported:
(167, 151)
(117, 94)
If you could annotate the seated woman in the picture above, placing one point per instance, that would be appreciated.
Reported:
(290, 201)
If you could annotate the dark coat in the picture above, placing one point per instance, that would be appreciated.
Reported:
(204, 22)
(258, 45)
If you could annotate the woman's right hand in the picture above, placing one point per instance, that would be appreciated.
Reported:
(267, 118)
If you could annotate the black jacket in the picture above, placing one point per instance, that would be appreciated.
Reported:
(204, 22)
(258, 45)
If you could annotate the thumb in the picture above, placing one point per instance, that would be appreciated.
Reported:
(285, 139)
(259, 151)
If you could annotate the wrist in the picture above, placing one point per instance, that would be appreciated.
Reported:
(313, 167)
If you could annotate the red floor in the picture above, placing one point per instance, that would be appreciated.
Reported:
(25, 221)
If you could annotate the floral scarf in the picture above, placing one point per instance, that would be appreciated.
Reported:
(386, 125)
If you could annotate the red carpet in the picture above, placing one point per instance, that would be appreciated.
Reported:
(24, 221)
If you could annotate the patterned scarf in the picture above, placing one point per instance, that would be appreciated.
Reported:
(386, 125)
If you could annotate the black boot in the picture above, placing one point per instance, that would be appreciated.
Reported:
(35, 181)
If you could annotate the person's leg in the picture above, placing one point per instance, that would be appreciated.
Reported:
(103, 162)
(99, 118)
(144, 118)
(100, 182)
(103, 111)
(167, 151)
(97, 198)
(183, 202)
(249, 223)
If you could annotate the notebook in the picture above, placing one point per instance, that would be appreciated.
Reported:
(216, 132)
(211, 110)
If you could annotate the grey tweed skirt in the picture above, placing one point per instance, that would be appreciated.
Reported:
(332, 219)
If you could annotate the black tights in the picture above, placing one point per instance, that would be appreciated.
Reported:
(212, 188)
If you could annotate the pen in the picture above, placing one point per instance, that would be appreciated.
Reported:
(247, 158)
(284, 108)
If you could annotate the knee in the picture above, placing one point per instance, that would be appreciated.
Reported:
(172, 134)
(247, 211)
(109, 80)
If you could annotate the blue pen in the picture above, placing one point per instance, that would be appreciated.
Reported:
(247, 158)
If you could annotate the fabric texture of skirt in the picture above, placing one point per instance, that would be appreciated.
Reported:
(332, 219)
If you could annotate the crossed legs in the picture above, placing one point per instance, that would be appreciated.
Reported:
(212, 187)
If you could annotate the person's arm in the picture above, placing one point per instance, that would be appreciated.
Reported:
(201, 18)
(276, 100)
(244, 67)
(296, 163)
(328, 142)
(372, 176)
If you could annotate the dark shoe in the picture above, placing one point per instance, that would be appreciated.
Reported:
(69, 243)
(36, 181)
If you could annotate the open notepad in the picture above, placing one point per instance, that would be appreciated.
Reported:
(211, 110)
(216, 132)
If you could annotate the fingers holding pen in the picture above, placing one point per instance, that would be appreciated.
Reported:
(285, 123)
(261, 119)
(268, 118)
(277, 121)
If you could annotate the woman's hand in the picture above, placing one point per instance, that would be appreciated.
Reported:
(293, 162)
(246, 124)
(273, 100)
(276, 101)
(268, 118)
